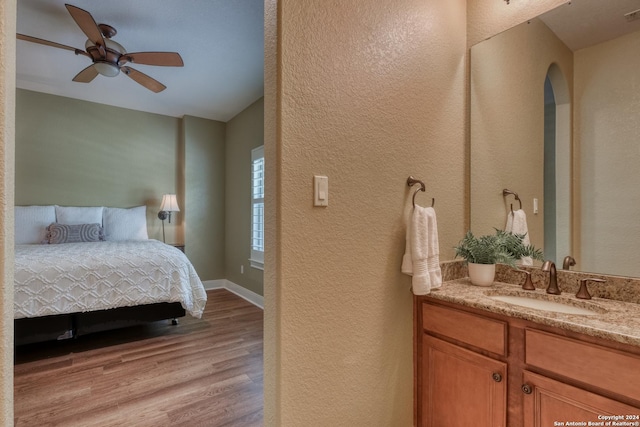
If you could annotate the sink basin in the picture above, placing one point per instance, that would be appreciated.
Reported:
(545, 305)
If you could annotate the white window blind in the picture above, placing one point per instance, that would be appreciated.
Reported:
(257, 207)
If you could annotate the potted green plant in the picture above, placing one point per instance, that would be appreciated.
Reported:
(482, 253)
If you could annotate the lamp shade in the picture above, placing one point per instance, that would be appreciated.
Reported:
(169, 203)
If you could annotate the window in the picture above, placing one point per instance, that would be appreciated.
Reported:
(257, 208)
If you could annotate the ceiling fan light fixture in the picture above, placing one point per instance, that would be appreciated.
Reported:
(115, 46)
(107, 69)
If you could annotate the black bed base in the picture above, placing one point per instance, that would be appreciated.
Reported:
(63, 326)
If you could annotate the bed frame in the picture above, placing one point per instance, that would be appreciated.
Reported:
(64, 326)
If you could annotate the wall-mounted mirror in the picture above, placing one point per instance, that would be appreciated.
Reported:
(555, 111)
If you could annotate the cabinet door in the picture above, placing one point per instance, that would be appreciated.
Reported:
(461, 387)
(551, 403)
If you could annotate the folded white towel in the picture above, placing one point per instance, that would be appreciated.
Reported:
(424, 251)
(517, 224)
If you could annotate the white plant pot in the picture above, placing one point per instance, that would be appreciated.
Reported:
(481, 274)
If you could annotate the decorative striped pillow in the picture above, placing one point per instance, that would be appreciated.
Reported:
(63, 233)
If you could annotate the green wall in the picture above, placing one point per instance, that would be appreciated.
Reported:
(244, 133)
(204, 170)
(79, 153)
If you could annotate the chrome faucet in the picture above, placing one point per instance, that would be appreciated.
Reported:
(568, 262)
(550, 267)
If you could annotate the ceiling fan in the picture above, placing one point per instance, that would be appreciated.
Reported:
(109, 57)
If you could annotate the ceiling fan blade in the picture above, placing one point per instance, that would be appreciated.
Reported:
(50, 43)
(146, 81)
(87, 24)
(86, 75)
(167, 59)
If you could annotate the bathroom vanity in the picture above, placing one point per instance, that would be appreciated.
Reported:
(544, 109)
(485, 363)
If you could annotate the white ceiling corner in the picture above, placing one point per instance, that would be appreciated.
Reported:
(220, 41)
(583, 23)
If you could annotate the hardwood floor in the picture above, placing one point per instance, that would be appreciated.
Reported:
(203, 372)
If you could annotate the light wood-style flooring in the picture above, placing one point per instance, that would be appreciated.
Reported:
(202, 372)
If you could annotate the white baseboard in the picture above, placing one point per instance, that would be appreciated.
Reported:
(252, 297)
(214, 284)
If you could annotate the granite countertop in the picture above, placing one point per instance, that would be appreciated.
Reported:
(615, 320)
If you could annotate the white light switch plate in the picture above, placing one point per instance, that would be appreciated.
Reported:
(320, 190)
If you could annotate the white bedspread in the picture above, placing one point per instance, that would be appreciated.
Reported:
(80, 277)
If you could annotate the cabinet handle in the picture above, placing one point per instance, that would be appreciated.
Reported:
(496, 377)
(526, 389)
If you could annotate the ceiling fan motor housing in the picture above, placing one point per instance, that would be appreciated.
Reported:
(106, 58)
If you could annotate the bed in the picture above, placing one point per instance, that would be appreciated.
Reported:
(75, 279)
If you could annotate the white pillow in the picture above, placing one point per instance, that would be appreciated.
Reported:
(72, 215)
(125, 224)
(31, 223)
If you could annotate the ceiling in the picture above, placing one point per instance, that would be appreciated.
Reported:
(583, 23)
(221, 43)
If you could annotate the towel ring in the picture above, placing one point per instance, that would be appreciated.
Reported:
(411, 181)
(506, 192)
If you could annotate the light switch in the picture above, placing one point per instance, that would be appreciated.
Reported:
(535, 206)
(320, 190)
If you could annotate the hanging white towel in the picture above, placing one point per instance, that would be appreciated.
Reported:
(517, 224)
(407, 263)
(433, 257)
(423, 251)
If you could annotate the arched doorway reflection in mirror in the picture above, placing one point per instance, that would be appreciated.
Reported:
(557, 166)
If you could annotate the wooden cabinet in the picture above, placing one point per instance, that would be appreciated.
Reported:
(485, 369)
(463, 382)
(463, 388)
(467, 328)
(612, 371)
(548, 402)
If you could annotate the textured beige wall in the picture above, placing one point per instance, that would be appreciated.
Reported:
(272, 267)
(68, 153)
(507, 123)
(366, 93)
(7, 135)
(607, 106)
(243, 133)
(204, 174)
